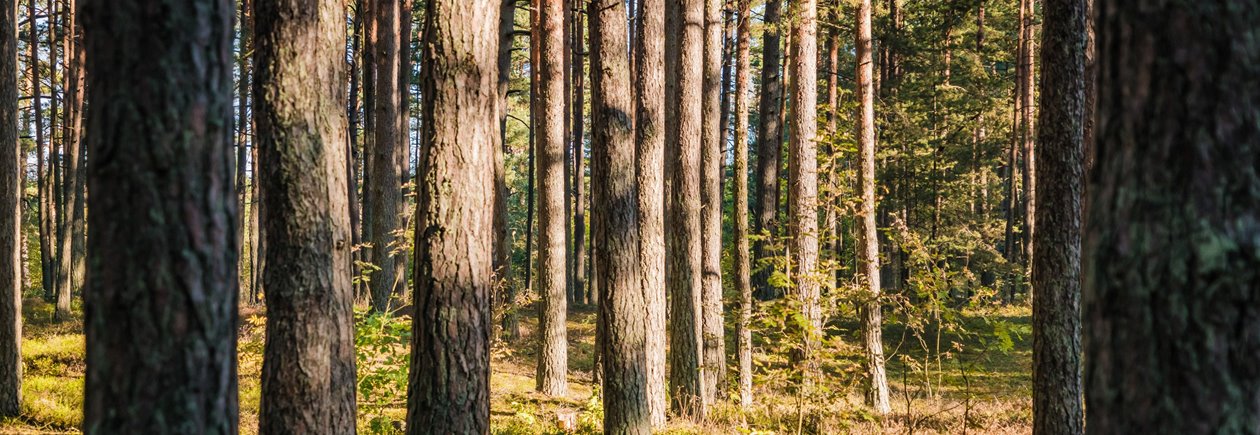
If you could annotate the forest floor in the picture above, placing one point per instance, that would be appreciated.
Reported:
(974, 377)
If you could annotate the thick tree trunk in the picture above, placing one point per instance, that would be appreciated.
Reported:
(741, 262)
(449, 388)
(552, 245)
(650, 155)
(876, 383)
(769, 132)
(622, 305)
(684, 46)
(1056, 273)
(161, 314)
(803, 176)
(300, 100)
(11, 221)
(714, 351)
(1172, 250)
(386, 182)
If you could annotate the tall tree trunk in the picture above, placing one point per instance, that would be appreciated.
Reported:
(1028, 132)
(741, 266)
(714, 352)
(69, 138)
(243, 69)
(11, 222)
(553, 354)
(449, 388)
(876, 383)
(684, 61)
(1056, 272)
(1172, 251)
(502, 243)
(650, 154)
(402, 252)
(300, 97)
(769, 131)
(622, 305)
(55, 218)
(386, 188)
(803, 176)
(41, 173)
(579, 171)
(161, 316)
(369, 143)
(354, 117)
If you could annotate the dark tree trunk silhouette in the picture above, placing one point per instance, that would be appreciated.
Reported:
(10, 223)
(449, 388)
(161, 312)
(769, 132)
(1172, 244)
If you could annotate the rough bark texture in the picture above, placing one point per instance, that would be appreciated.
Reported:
(10, 219)
(803, 175)
(449, 388)
(650, 155)
(385, 186)
(622, 305)
(1172, 253)
(684, 47)
(769, 132)
(741, 261)
(161, 313)
(1056, 272)
(299, 96)
(502, 244)
(876, 383)
(714, 352)
(554, 345)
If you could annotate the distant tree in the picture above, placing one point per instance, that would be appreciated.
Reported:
(449, 387)
(299, 112)
(10, 218)
(684, 49)
(769, 142)
(72, 201)
(580, 245)
(161, 308)
(714, 349)
(876, 383)
(385, 187)
(552, 229)
(650, 152)
(1172, 250)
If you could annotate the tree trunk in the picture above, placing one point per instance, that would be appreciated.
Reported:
(242, 128)
(502, 243)
(449, 388)
(300, 99)
(553, 352)
(769, 131)
(161, 314)
(622, 305)
(876, 384)
(741, 263)
(41, 173)
(386, 182)
(803, 176)
(10, 201)
(69, 138)
(579, 173)
(1056, 273)
(650, 153)
(402, 251)
(714, 351)
(1027, 134)
(684, 49)
(1172, 250)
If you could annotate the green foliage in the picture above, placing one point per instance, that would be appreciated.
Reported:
(382, 342)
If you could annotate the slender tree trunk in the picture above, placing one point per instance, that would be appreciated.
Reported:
(386, 182)
(243, 69)
(354, 117)
(1172, 251)
(300, 97)
(56, 227)
(769, 130)
(366, 251)
(1027, 134)
(502, 243)
(684, 60)
(161, 316)
(650, 154)
(10, 201)
(402, 251)
(803, 176)
(1057, 407)
(579, 175)
(741, 261)
(622, 304)
(876, 384)
(714, 352)
(41, 173)
(70, 195)
(553, 355)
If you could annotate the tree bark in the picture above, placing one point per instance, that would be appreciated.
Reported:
(622, 305)
(1028, 133)
(449, 388)
(552, 245)
(243, 122)
(579, 171)
(11, 220)
(41, 173)
(1172, 245)
(300, 100)
(803, 176)
(650, 155)
(769, 132)
(714, 351)
(1056, 272)
(684, 49)
(386, 181)
(741, 262)
(70, 139)
(876, 383)
(502, 243)
(161, 313)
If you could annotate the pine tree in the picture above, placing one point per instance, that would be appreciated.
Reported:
(552, 243)
(10, 236)
(650, 153)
